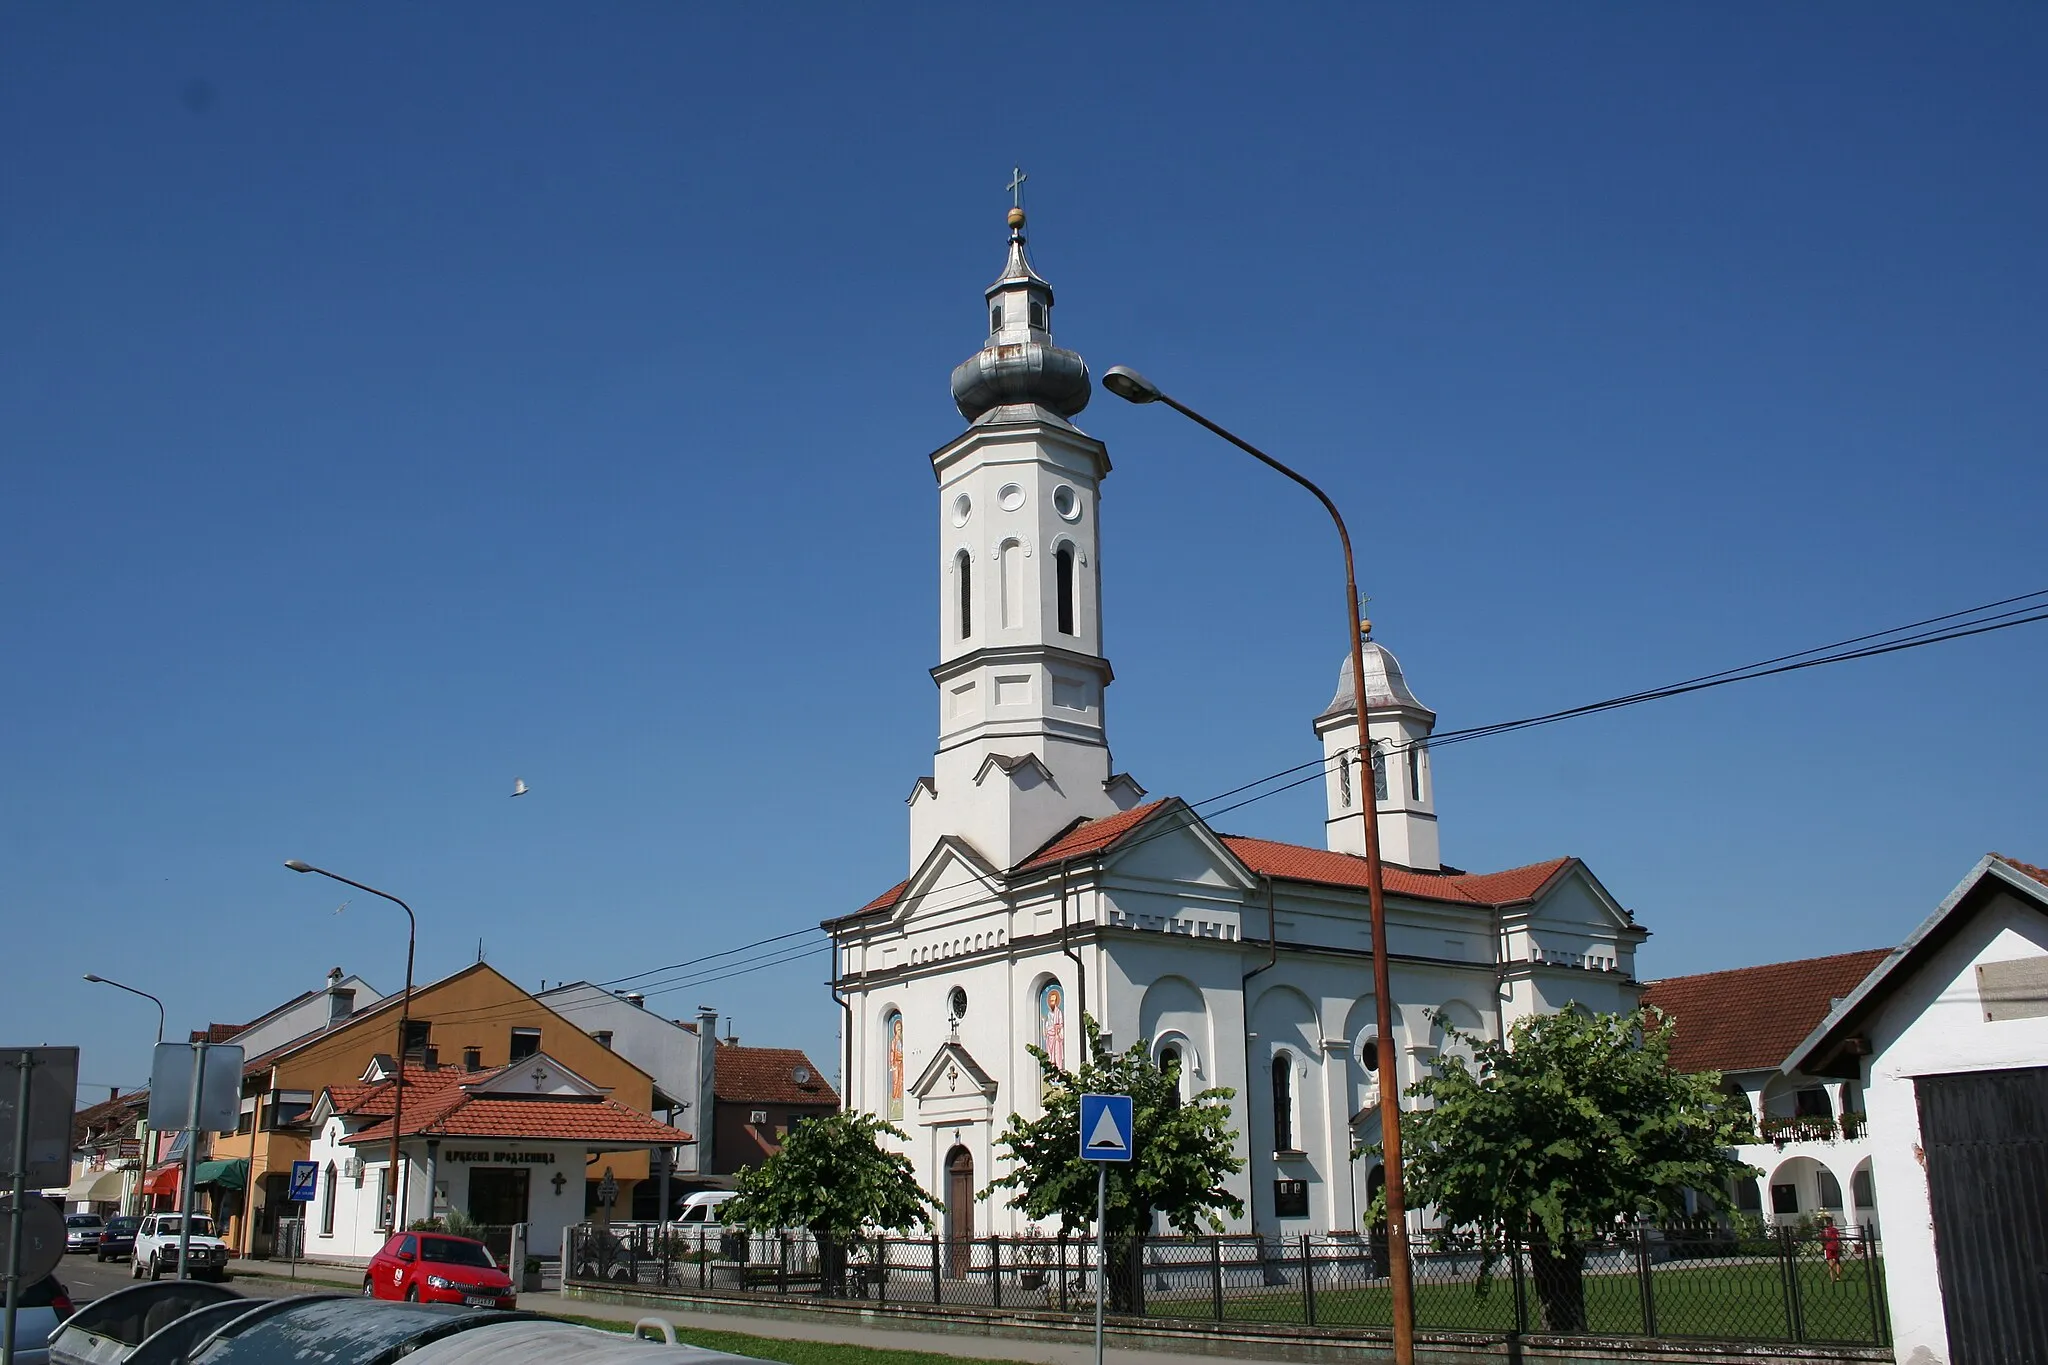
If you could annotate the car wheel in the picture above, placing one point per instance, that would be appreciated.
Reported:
(412, 1295)
(369, 1287)
(156, 1266)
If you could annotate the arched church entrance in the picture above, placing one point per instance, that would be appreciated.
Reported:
(1376, 1240)
(959, 1213)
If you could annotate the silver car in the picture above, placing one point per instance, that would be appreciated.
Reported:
(82, 1231)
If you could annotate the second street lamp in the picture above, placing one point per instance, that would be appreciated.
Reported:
(142, 1157)
(404, 1018)
(1133, 387)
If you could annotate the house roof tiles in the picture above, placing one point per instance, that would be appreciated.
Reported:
(756, 1075)
(1751, 1018)
(438, 1103)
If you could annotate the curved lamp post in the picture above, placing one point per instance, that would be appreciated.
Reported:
(144, 1162)
(404, 1018)
(1133, 387)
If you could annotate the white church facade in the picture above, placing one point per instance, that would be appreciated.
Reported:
(1043, 883)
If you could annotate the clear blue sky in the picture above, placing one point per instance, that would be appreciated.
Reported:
(398, 400)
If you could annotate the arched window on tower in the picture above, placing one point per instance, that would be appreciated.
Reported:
(1414, 772)
(1038, 315)
(963, 565)
(1283, 1103)
(1379, 773)
(1344, 781)
(1063, 574)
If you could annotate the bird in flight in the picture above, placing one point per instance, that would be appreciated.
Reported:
(519, 786)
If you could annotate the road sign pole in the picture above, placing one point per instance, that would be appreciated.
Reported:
(1101, 1248)
(25, 1063)
(185, 1175)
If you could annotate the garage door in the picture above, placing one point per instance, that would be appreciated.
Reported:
(1986, 1138)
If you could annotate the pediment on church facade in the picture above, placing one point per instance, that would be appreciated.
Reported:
(953, 1072)
(950, 876)
(1575, 899)
(1177, 847)
(1026, 770)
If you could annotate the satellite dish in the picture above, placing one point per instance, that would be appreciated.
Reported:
(802, 1075)
(519, 786)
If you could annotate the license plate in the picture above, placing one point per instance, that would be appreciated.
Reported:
(479, 1301)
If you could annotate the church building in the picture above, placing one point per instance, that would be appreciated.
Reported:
(1043, 883)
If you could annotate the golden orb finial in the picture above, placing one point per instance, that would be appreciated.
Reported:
(1016, 218)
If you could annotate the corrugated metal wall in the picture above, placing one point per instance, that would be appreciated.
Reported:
(1986, 1138)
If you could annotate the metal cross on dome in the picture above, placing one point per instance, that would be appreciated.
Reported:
(1016, 186)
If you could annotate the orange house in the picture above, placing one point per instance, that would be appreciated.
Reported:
(475, 1018)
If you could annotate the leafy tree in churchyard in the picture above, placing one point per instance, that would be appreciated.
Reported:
(1183, 1154)
(834, 1177)
(1577, 1120)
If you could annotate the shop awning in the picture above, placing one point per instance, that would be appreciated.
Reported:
(229, 1175)
(94, 1187)
(162, 1180)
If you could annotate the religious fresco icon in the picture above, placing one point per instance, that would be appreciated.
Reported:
(1052, 1023)
(894, 1027)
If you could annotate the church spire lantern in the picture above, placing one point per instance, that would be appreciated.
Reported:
(1019, 364)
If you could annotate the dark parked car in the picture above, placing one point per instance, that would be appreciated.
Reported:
(117, 1238)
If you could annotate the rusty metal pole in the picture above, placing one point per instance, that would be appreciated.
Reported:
(1136, 388)
(412, 933)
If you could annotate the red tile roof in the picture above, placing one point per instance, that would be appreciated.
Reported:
(2039, 874)
(438, 1105)
(1295, 862)
(767, 1075)
(215, 1033)
(1752, 1017)
(1292, 862)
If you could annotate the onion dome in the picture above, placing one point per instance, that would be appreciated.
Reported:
(1019, 363)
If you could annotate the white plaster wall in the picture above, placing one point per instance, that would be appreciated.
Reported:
(1935, 1026)
(306, 1017)
(661, 1047)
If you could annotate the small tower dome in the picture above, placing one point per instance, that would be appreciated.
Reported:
(1396, 776)
(1385, 685)
(1019, 363)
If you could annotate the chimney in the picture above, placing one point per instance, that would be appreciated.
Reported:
(472, 1058)
(340, 1003)
(430, 1057)
(636, 1000)
(113, 1093)
(707, 1108)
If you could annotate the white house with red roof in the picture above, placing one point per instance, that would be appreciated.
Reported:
(506, 1144)
(1043, 883)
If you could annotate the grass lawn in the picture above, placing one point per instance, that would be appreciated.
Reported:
(1738, 1302)
(790, 1352)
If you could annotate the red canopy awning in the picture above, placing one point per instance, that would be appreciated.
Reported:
(162, 1180)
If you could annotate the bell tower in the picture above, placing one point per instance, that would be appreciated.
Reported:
(1021, 675)
(1397, 778)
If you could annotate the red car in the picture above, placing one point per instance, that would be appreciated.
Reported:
(432, 1267)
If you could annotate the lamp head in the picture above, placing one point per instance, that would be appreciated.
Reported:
(295, 865)
(1127, 384)
(90, 977)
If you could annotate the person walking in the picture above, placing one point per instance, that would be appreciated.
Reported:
(1831, 1247)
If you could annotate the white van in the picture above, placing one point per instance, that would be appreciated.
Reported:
(701, 1208)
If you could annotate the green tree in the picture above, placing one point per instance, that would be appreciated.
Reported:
(834, 1177)
(1576, 1120)
(1183, 1153)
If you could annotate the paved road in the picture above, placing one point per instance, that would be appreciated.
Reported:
(89, 1279)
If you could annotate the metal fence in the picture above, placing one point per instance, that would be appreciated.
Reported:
(1672, 1280)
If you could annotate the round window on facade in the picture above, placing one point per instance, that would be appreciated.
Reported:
(1066, 502)
(963, 508)
(1011, 497)
(956, 1002)
(1369, 1053)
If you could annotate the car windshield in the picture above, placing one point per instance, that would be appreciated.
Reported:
(201, 1227)
(122, 1224)
(454, 1251)
(82, 1220)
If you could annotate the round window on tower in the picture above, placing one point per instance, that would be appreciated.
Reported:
(956, 1003)
(1010, 497)
(1066, 502)
(963, 508)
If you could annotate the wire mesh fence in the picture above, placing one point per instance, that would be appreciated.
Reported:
(1691, 1280)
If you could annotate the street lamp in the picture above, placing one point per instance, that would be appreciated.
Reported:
(1133, 387)
(404, 1017)
(143, 1159)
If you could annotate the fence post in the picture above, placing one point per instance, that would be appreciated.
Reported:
(1869, 1247)
(935, 1269)
(1216, 1275)
(1795, 1307)
(1063, 1270)
(995, 1270)
(881, 1270)
(1521, 1289)
(703, 1260)
(1308, 1283)
(1643, 1277)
